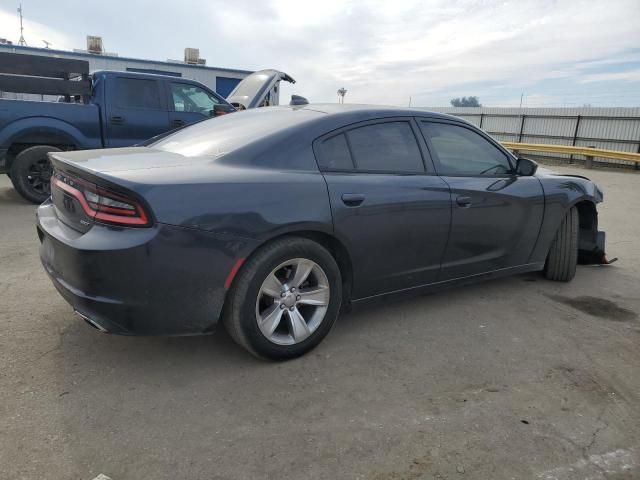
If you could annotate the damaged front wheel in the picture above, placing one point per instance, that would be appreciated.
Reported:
(563, 254)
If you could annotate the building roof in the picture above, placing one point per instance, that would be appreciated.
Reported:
(54, 52)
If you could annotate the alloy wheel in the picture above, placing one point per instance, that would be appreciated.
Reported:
(292, 301)
(39, 176)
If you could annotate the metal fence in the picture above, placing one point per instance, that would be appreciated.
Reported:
(608, 128)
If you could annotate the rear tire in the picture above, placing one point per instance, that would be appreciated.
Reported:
(304, 321)
(31, 173)
(563, 254)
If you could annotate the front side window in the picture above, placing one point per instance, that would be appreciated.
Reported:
(386, 147)
(189, 98)
(137, 93)
(461, 151)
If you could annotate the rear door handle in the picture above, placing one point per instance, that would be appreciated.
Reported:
(178, 123)
(352, 199)
(463, 202)
(117, 120)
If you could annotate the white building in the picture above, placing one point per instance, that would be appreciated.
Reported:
(221, 80)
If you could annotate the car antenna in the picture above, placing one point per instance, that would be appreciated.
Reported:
(298, 100)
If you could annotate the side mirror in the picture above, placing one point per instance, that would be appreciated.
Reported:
(526, 167)
(221, 109)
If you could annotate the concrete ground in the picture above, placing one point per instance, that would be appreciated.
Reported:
(512, 379)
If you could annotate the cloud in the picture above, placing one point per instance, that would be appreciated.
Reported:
(34, 32)
(380, 51)
(627, 76)
(384, 52)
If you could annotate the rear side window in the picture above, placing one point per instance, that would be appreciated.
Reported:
(333, 154)
(137, 93)
(386, 147)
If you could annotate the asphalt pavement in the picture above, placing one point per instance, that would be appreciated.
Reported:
(516, 378)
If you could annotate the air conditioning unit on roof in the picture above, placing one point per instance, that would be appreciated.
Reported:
(94, 45)
(191, 56)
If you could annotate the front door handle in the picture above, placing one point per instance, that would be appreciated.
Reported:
(178, 123)
(463, 202)
(352, 199)
(117, 120)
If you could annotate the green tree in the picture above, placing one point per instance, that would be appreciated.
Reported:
(465, 102)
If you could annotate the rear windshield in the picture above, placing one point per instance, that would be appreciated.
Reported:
(221, 135)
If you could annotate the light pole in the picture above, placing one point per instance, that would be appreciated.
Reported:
(341, 93)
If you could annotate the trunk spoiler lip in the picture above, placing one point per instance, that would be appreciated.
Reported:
(60, 163)
(112, 171)
(74, 168)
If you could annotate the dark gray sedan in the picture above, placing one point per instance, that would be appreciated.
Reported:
(272, 219)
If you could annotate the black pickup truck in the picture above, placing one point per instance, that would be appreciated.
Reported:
(100, 110)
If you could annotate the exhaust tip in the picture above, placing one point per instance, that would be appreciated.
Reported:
(91, 322)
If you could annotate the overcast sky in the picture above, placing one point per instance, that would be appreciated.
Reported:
(558, 53)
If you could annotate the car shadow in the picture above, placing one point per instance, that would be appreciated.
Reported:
(197, 358)
(218, 351)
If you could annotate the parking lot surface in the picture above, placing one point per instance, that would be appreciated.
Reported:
(514, 378)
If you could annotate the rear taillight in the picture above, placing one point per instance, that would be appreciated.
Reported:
(101, 204)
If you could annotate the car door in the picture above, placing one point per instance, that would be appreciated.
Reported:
(496, 214)
(135, 112)
(390, 209)
(189, 103)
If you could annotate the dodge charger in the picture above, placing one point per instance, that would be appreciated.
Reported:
(273, 220)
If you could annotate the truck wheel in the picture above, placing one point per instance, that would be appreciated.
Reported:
(31, 172)
(563, 254)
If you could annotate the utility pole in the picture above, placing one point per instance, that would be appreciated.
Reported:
(46, 44)
(521, 96)
(341, 93)
(22, 40)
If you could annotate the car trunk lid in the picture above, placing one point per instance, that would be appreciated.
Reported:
(258, 89)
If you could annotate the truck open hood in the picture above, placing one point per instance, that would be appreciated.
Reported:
(258, 89)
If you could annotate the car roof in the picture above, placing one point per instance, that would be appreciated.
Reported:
(270, 126)
(282, 131)
(144, 75)
(372, 111)
(331, 108)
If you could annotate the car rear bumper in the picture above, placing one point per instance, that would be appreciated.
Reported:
(163, 280)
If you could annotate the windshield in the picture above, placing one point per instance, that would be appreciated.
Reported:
(190, 98)
(219, 136)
